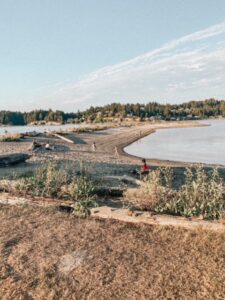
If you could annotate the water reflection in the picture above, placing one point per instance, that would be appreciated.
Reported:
(197, 144)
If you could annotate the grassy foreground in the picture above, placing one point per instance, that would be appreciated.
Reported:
(47, 254)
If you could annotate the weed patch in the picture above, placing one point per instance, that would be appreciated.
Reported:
(202, 194)
(51, 181)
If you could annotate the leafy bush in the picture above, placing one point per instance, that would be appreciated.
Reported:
(200, 195)
(53, 181)
(46, 181)
(81, 208)
(81, 189)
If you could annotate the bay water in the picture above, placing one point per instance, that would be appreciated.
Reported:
(194, 144)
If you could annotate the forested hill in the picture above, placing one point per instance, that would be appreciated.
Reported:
(116, 111)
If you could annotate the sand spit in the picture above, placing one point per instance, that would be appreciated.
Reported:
(106, 141)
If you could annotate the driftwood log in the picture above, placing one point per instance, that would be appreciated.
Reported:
(66, 139)
(107, 191)
(34, 146)
(13, 159)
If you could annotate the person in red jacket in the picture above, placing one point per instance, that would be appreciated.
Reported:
(144, 167)
(143, 171)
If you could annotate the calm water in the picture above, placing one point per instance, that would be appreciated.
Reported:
(23, 129)
(196, 144)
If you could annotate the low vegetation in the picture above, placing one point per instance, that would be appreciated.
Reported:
(93, 128)
(202, 194)
(63, 183)
(10, 137)
(85, 129)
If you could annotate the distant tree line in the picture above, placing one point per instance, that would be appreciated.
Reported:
(35, 116)
(190, 110)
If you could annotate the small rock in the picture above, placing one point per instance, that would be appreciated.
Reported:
(130, 212)
(71, 261)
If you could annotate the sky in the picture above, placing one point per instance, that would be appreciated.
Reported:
(71, 54)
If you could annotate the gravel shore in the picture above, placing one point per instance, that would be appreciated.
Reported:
(108, 158)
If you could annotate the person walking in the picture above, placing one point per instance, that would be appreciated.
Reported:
(116, 151)
(93, 147)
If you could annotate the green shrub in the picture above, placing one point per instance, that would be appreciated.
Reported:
(53, 181)
(46, 181)
(81, 189)
(81, 208)
(200, 195)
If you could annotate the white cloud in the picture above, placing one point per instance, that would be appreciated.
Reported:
(187, 68)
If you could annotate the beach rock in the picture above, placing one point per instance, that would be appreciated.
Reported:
(12, 159)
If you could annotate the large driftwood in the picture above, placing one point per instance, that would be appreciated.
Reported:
(121, 214)
(107, 191)
(34, 146)
(12, 159)
(126, 179)
(64, 138)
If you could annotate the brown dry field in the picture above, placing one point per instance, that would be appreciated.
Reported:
(48, 254)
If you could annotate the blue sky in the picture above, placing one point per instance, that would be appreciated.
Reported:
(68, 54)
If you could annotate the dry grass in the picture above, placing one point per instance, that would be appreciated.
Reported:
(47, 254)
(92, 128)
(10, 137)
(85, 129)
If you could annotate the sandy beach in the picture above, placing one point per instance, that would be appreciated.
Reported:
(109, 158)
